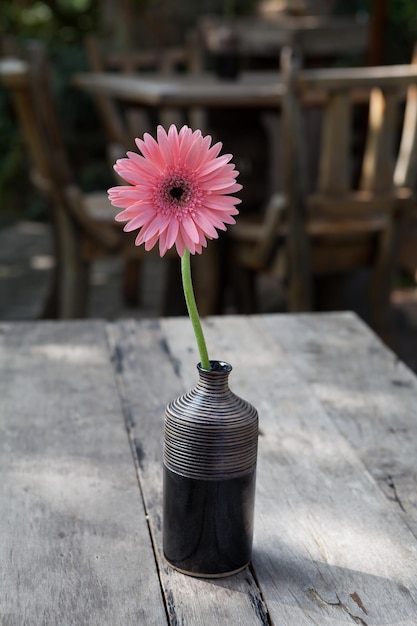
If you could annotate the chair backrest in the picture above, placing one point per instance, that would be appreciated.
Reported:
(113, 124)
(29, 86)
(365, 150)
(388, 93)
(122, 126)
(405, 173)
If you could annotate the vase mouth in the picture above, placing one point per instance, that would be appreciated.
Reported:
(216, 366)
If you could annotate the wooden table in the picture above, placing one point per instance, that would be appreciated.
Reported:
(81, 418)
(318, 36)
(250, 89)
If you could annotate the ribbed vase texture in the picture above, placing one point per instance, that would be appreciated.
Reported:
(210, 451)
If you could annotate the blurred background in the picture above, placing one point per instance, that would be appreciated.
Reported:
(63, 26)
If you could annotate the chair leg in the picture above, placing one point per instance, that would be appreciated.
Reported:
(73, 290)
(50, 307)
(238, 286)
(380, 310)
(244, 288)
(173, 298)
(73, 271)
(300, 288)
(68, 295)
(329, 292)
(380, 284)
(131, 278)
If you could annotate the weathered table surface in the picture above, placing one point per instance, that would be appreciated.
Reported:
(81, 418)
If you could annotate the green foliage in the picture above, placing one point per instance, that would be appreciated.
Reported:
(61, 25)
(63, 20)
(400, 33)
(401, 30)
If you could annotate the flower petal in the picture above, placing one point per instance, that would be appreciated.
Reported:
(178, 190)
(172, 232)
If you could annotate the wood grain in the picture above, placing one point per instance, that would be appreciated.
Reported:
(369, 394)
(74, 540)
(335, 151)
(335, 512)
(144, 354)
(327, 548)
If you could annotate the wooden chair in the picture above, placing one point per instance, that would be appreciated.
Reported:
(83, 225)
(122, 125)
(405, 177)
(316, 234)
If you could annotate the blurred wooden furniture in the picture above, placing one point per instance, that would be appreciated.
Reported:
(83, 224)
(407, 261)
(407, 256)
(258, 41)
(253, 91)
(123, 125)
(81, 419)
(244, 98)
(232, 45)
(334, 226)
(276, 9)
(257, 243)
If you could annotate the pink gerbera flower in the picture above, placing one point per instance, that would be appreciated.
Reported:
(178, 190)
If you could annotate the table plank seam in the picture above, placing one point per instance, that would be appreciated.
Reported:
(117, 361)
(164, 368)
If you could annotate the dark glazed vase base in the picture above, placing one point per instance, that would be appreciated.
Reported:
(208, 524)
(198, 575)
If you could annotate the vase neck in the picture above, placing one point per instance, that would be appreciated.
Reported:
(215, 380)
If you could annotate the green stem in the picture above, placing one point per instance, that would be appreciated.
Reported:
(192, 309)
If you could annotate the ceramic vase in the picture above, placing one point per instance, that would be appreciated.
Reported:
(210, 452)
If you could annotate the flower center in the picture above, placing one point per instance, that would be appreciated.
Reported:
(177, 193)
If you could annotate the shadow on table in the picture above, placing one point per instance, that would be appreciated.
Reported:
(345, 594)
